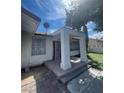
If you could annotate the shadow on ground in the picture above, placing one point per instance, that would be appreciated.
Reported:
(88, 82)
(41, 80)
(95, 64)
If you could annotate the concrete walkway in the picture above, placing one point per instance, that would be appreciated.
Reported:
(90, 81)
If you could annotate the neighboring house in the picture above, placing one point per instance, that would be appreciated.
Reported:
(38, 48)
(95, 45)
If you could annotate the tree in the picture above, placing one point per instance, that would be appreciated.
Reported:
(84, 11)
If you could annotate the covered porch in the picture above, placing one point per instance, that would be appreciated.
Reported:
(65, 35)
(65, 65)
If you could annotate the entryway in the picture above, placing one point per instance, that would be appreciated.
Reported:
(57, 51)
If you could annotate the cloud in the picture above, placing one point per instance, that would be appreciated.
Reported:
(89, 30)
(95, 35)
(91, 25)
(58, 14)
(53, 9)
(51, 31)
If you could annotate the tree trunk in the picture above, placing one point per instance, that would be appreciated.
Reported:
(86, 37)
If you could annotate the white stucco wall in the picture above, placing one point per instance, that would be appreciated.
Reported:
(27, 60)
(29, 24)
(39, 59)
(25, 49)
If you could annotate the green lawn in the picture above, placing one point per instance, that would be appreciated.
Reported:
(97, 60)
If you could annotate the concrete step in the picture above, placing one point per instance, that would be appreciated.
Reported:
(70, 76)
(76, 67)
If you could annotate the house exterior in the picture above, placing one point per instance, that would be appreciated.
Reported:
(95, 45)
(38, 48)
(41, 49)
(29, 24)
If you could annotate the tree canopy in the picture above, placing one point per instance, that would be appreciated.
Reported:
(84, 11)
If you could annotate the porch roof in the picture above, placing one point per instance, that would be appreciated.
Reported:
(74, 34)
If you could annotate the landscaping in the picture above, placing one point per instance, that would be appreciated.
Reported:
(97, 60)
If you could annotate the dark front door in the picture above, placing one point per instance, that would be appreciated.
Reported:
(57, 51)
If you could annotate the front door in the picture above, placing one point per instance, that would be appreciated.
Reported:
(57, 51)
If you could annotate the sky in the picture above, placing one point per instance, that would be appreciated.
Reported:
(53, 12)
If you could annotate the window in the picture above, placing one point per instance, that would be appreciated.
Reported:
(74, 45)
(38, 45)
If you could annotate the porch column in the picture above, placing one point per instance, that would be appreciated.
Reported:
(83, 54)
(65, 50)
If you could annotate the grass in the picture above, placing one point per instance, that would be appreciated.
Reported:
(97, 60)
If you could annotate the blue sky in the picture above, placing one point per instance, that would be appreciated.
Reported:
(53, 12)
